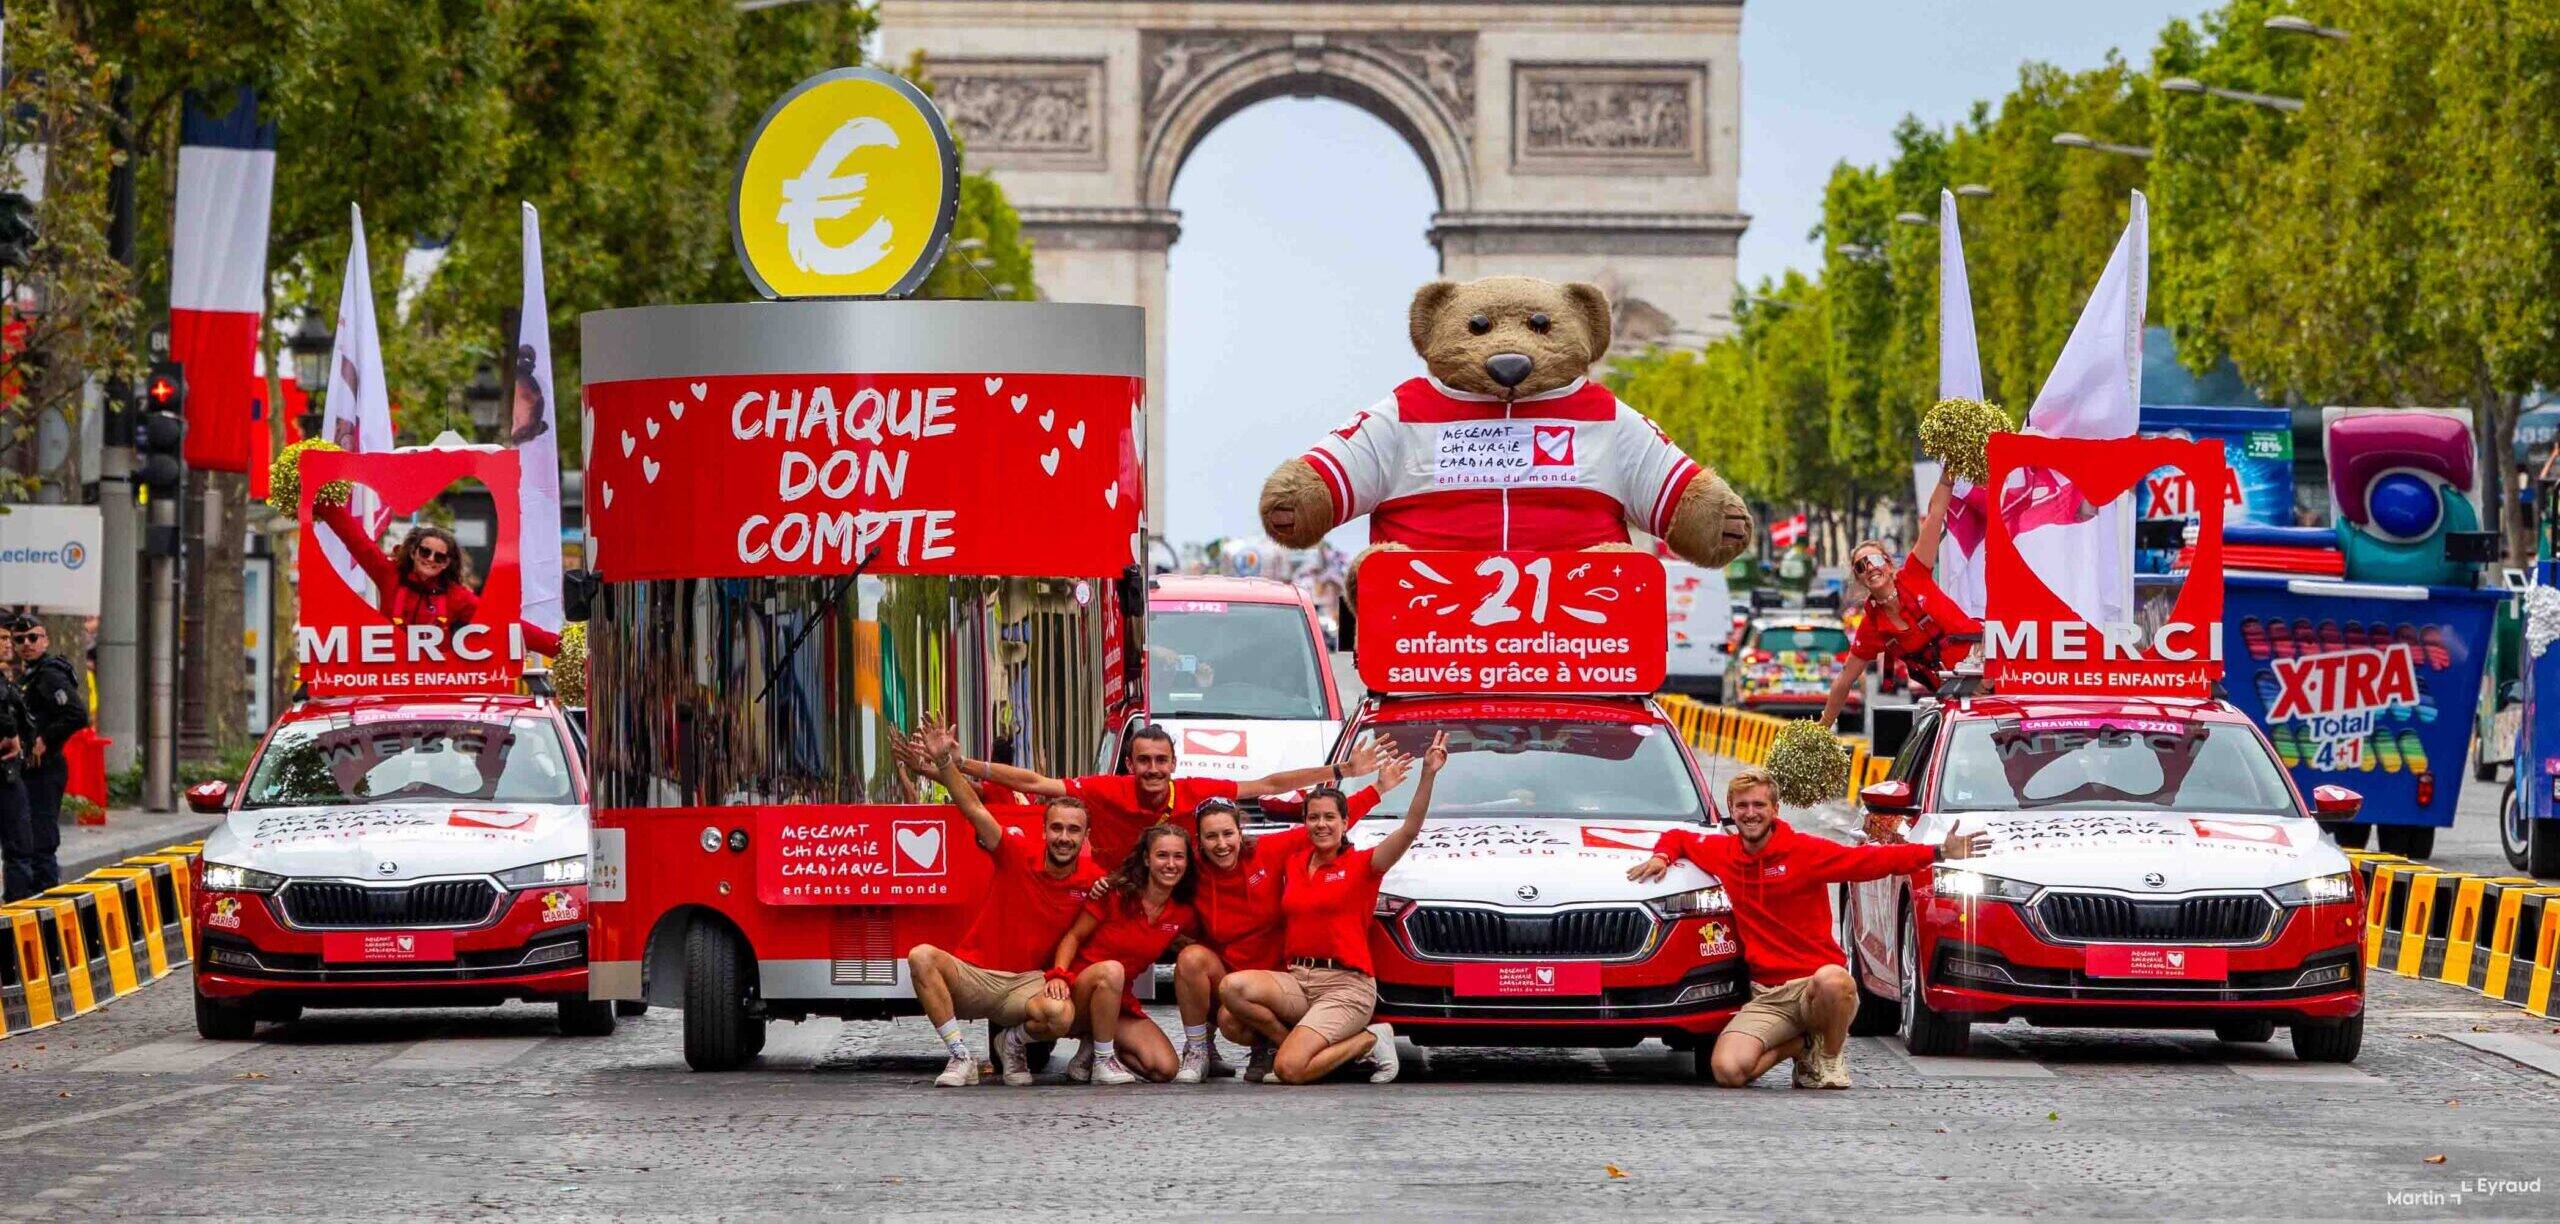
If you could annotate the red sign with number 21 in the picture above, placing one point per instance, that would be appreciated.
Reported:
(1543, 623)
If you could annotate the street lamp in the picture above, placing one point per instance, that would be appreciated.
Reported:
(1912, 218)
(2190, 85)
(2304, 25)
(1856, 252)
(1973, 191)
(2074, 140)
(311, 343)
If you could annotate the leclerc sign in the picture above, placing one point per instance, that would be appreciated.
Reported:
(49, 558)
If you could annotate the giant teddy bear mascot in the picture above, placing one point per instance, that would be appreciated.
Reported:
(1508, 444)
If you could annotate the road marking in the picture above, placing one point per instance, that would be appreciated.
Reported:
(809, 1041)
(14, 1134)
(2538, 1052)
(171, 1054)
(460, 1053)
(2008, 1065)
(2274, 1072)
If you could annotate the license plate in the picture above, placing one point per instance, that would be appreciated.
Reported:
(1527, 980)
(2177, 964)
(376, 948)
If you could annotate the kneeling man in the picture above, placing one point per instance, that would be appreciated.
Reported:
(1802, 998)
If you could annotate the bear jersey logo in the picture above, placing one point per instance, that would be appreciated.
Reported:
(848, 189)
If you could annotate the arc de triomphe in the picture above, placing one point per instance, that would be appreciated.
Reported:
(1566, 139)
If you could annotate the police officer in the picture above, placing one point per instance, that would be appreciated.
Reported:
(17, 732)
(51, 689)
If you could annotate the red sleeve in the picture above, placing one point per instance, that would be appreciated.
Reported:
(1360, 803)
(1201, 789)
(1093, 908)
(1833, 863)
(368, 555)
(1282, 844)
(540, 640)
(1678, 844)
(1369, 861)
(1089, 787)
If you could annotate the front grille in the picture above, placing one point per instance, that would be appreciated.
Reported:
(1455, 933)
(2106, 918)
(318, 904)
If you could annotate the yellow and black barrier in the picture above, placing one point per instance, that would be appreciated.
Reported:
(2498, 935)
(1746, 736)
(98, 938)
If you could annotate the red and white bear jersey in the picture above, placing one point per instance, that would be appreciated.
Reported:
(1446, 469)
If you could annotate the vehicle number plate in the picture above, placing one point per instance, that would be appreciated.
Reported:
(2183, 964)
(379, 947)
(1530, 980)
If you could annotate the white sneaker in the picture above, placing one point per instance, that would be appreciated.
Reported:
(1109, 1071)
(1832, 1072)
(1012, 1052)
(1382, 1060)
(962, 1072)
(1080, 1067)
(1195, 1066)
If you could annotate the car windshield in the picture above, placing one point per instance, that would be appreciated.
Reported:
(1816, 639)
(411, 760)
(2091, 764)
(1550, 768)
(1233, 660)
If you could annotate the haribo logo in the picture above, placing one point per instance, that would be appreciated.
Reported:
(2401, 480)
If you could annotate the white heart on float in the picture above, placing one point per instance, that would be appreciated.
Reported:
(1021, 402)
(1075, 434)
(675, 408)
(1049, 462)
(652, 423)
(649, 470)
(608, 494)
(923, 847)
(1111, 495)
(699, 389)
(994, 385)
(1047, 419)
(627, 444)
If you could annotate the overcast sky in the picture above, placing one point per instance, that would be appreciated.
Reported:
(1302, 220)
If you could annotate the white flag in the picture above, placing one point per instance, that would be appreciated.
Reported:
(533, 429)
(1960, 554)
(357, 406)
(2095, 391)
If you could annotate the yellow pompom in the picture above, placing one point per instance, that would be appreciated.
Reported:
(284, 479)
(1808, 763)
(1957, 433)
(569, 667)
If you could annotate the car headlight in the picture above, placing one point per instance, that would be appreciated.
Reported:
(572, 870)
(223, 877)
(2318, 890)
(1390, 905)
(1691, 903)
(1975, 886)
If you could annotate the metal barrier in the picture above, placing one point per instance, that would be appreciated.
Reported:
(1746, 736)
(2498, 935)
(97, 938)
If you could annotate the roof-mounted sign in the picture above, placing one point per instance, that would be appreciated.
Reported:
(1512, 623)
(847, 189)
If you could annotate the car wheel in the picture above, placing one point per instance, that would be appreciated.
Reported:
(586, 1017)
(2542, 848)
(2407, 841)
(2515, 832)
(1925, 1030)
(720, 1033)
(1877, 1015)
(630, 1009)
(2245, 1032)
(223, 1020)
(277, 1013)
(2334, 1041)
(2350, 836)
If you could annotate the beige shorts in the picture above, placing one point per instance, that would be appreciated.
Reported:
(1775, 1014)
(986, 994)
(1335, 1003)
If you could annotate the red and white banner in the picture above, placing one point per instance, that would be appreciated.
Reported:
(218, 272)
(782, 474)
(867, 854)
(2082, 542)
(346, 644)
(2036, 641)
(1959, 558)
(533, 429)
(1787, 531)
(1569, 622)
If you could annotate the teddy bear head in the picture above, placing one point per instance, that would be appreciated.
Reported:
(1509, 336)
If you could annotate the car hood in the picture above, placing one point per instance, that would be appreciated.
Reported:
(2125, 849)
(414, 839)
(1562, 859)
(1243, 748)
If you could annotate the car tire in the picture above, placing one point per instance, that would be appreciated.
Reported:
(586, 1017)
(1925, 1030)
(2245, 1032)
(2350, 836)
(630, 1009)
(720, 1033)
(2407, 841)
(1877, 1015)
(222, 1020)
(2542, 848)
(2334, 1041)
(277, 1013)
(2515, 832)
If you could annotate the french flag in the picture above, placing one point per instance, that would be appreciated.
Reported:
(218, 273)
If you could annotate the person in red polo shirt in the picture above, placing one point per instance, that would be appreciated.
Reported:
(1124, 804)
(1119, 935)
(1779, 881)
(1318, 1012)
(1907, 615)
(997, 971)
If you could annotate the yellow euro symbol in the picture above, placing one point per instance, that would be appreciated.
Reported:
(847, 189)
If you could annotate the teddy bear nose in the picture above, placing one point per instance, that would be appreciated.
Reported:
(1509, 369)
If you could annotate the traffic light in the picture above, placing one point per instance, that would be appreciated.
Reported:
(159, 430)
(17, 230)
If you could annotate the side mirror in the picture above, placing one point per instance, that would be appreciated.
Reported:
(1892, 795)
(212, 798)
(2332, 802)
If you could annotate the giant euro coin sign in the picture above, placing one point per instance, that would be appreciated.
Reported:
(847, 189)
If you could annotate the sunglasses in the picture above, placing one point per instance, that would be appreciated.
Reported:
(438, 556)
(1869, 563)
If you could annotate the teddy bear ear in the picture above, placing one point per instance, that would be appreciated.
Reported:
(1427, 302)
(1593, 306)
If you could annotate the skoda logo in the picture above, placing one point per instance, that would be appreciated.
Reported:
(2156, 880)
(387, 867)
(1527, 892)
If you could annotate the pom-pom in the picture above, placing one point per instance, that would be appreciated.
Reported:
(569, 666)
(284, 479)
(1957, 433)
(1808, 763)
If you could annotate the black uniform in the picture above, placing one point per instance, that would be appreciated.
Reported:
(17, 838)
(51, 689)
